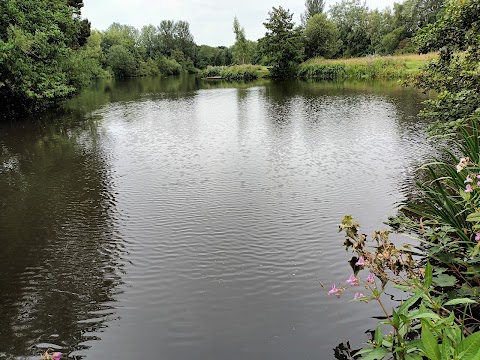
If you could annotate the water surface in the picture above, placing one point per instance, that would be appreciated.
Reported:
(180, 219)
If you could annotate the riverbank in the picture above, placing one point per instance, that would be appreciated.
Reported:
(235, 72)
(367, 68)
(364, 68)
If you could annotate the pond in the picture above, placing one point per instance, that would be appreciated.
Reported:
(181, 219)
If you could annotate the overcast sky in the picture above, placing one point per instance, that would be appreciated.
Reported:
(210, 20)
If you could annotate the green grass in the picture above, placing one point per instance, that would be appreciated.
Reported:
(236, 72)
(367, 68)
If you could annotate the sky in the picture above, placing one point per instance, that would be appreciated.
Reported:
(210, 20)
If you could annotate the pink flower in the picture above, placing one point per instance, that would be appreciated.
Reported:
(459, 168)
(56, 355)
(468, 189)
(353, 281)
(360, 262)
(370, 278)
(468, 180)
(335, 291)
(358, 296)
(478, 176)
(477, 237)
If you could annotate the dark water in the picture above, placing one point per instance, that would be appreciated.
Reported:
(176, 219)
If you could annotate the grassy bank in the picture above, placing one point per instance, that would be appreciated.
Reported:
(369, 68)
(236, 72)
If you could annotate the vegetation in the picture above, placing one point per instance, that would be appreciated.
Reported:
(282, 43)
(440, 319)
(366, 68)
(237, 72)
(312, 8)
(38, 59)
(48, 52)
(322, 38)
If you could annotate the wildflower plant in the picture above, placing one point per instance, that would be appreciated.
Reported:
(428, 324)
(51, 355)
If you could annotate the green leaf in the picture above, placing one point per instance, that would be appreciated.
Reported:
(378, 336)
(376, 354)
(424, 315)
(364, 351)
(445, 280)
(409, 302)
(470, 347)
(460, 301)
(430, 343)
(396, 319)
(428, 275)
(474, 217)
(447, 349)
(413, 357)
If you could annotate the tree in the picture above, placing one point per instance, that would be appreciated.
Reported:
(455, 77)
(282, 43)
(312, 8)
(149, 41)
(322, 37)
(38, 40)
(121, 61)
(240, 48)
(118, 34)
(176, 36)
(184, 39)
(351, 18)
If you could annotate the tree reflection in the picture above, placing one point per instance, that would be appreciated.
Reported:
(60, 262)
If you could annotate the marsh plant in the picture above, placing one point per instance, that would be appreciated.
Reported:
(431, 323)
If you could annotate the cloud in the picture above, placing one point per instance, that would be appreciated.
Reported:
(210, 21)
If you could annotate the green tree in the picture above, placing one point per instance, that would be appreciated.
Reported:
(282, 43)
(174, 36)
(38, 40)
(312, 8)
(241, 47)
(212, 56)
(184, 39)
(121, 61)
(455, 77)
(322, 37)
(119, 34)
(149, 41)
(351, 18)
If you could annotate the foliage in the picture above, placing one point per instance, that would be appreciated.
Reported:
(241, 49)
(38, 40)
(455, 76)
(282, 43)
(367, 68)
(440, 319)
(237, 72)
(351, 18)
(213, 56)
(312, 8)
(121, 61)
(322, 38)
(168, 66)
(431, 323)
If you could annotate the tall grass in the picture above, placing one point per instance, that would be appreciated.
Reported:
(365, 68)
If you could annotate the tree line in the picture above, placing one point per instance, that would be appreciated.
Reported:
(48, 52)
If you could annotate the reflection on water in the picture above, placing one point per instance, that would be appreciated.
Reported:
(60, 255)
(184, 219)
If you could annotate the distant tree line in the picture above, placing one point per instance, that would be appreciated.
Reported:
(48, 52)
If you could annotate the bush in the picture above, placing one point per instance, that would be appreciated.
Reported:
(168, 66)
(236, 72)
